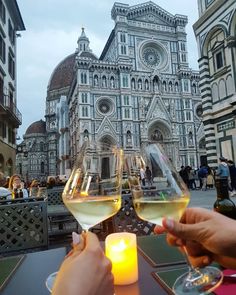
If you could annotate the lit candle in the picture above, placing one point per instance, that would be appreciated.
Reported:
(121, 249)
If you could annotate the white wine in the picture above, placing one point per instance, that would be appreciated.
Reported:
(154, 210)
(91, 210)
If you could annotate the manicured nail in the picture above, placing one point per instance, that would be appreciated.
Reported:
(170, 223)
(75, 238)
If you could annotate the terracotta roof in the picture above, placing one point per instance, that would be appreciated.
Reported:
(36, 127)
(62, 76)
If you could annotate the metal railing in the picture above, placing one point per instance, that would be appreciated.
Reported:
(10, 106)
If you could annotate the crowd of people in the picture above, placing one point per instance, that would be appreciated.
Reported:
(15, 187)
(204, 177)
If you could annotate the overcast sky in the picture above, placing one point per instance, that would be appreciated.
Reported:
(52, 30)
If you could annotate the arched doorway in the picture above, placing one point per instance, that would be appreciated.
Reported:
(160, 132)
(106, 141)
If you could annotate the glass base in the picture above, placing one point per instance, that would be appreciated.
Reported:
(50, 281)
(202, 281)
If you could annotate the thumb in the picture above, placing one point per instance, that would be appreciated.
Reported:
(181, 230)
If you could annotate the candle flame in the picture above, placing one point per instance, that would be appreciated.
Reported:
(120, 246)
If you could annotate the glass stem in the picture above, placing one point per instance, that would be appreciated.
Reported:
(194, 273)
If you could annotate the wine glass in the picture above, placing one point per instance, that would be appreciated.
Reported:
(164, 194)
(93, 190)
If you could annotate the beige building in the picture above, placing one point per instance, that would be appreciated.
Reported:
(216, 37)
(10, 117)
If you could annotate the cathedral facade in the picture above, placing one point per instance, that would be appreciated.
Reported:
(141, 89)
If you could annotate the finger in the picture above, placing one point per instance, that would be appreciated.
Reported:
(174, 241)
(200, 261)
(180, 230)
(159, 229)
(91, 241)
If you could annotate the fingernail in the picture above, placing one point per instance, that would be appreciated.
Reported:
(179, 242)
(170, 223)
(75, 238)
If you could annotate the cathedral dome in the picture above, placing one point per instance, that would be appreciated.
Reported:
(36, 127)
(62, 76)
(87, 54)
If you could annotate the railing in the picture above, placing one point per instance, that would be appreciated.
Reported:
(8, 104)
(23, 225)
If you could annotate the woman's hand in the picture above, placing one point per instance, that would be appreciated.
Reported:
(86, 272)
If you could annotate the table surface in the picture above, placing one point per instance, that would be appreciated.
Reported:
(30, 276)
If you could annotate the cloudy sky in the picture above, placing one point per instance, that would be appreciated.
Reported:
(52, 30)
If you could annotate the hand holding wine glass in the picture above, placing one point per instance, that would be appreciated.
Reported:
(166, 196)
(198, 230)
(93, 190)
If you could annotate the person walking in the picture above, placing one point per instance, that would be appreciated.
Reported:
(142, 176)
(232, 172)
(148, 175)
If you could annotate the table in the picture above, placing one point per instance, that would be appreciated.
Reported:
(30, 276)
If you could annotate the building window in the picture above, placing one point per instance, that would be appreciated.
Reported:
(84, 98)
(126, 100)
(11, 33)
(182, 46)
(42, 167)
(83, 77)
(125, 81)
(1, 90)
(187, 103)
(11, 65)
(2, 49)
(2, 12)
(84, 111)
(219, 60)
(123, 49)
(183, 57)
(127, 113)
(122, 38)
(188, 116)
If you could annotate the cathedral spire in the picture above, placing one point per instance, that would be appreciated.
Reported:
(83, 42)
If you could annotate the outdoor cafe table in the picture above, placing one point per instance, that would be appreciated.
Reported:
(29, 278)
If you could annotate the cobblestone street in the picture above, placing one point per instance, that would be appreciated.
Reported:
(204, 199)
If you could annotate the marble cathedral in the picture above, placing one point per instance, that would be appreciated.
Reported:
(140, 89)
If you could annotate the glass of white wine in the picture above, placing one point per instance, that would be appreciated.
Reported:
(93, 190)
(158, 191)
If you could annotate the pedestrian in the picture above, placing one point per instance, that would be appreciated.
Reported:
(142, 176)
(184, 175)
(232, 172)
(202, 174)
(210, 178)
(148, 175)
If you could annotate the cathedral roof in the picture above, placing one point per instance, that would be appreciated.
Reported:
(87, 54)
(62, 76)
(36, 127)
